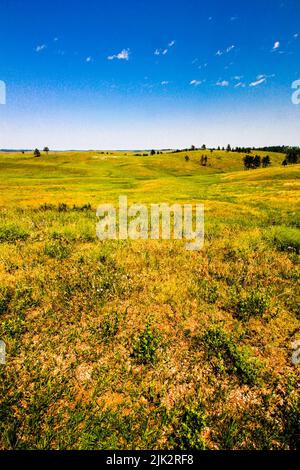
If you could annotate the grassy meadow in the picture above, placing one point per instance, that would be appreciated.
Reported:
(143, 344)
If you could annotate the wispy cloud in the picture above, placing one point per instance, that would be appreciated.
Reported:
(239, 85)
(225, 51)
(165, 50)
(230, 48)
(223, 83)
(89, 59)
(234, 18)
(164, 82)
(123, 55)
(40, 48)
(260, 79)
(296, 35)
(276, 46)
(196, 82)
(55, 39)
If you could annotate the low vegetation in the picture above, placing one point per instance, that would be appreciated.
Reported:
(143, 344)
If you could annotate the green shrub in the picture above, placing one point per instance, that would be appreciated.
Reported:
(145, 347)
(230, 357)
(24, 299)
(12, 233)
(250, 305)
(57, 249)
(188, 433)
(5, 298)
(285, 238)
(208, 290)
(13, 327)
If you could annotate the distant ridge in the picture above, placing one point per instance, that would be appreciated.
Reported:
(15, 150)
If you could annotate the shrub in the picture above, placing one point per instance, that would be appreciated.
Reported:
(24, 299)
(145, 347)
(188, 434)
(12, 233)
(57, 249)
(210, 291)
(5, 298)
(13, 327)
(231, 358)
(250, 305)
(285, 238)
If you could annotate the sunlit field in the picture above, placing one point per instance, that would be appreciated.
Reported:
(143, 344)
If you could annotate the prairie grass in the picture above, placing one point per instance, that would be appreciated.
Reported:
(143, 344)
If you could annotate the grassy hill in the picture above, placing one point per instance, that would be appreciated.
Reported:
(142, 344)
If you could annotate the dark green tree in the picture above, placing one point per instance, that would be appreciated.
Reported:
(266, 161)
(293, 156)
(257, 161)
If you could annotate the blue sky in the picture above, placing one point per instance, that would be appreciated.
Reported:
(148, 74)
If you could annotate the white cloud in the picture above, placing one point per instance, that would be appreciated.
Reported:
(238, 77)
(164, 82)
(223, 83)
(230, 48)
(55, 39)
(296, 35)
(226, 51)
(258, 82)
(210, 18)
(40, 48)
(164, 51)
(276, 45)
(240, 85)
(195, 82)
(123, 55)
(88, 59)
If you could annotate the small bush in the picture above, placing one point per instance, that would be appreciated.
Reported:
(188, 434)
(253, 304)
(206, 290)
(12, 233)
(57, 249)
(285, 239)
(5, 298)
(13, 327)
(145, 347)
(230, 357)
(24, 299)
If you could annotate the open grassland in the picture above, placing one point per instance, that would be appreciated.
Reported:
(142, 344)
